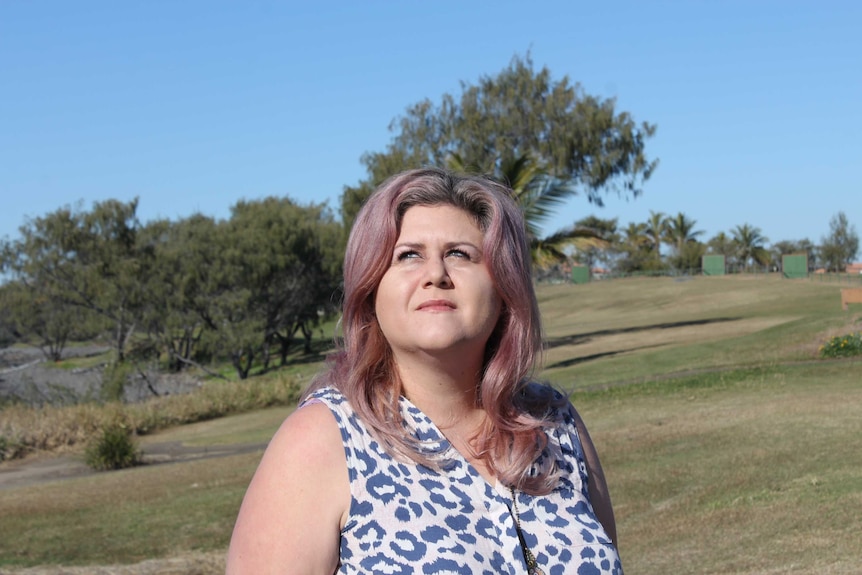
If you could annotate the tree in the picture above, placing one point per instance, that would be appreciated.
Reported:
(636, 249)
(681, 235)
(598, 236)
(38, 317)
(580, 140)
(538, 194)
(277, 271)
(721, 244)
(838, 249)
(89, 259)
(748, 244)
(656, 229)
(8, 334)
(680, 231)
(176, 298)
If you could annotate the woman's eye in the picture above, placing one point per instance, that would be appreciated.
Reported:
(406, 255)
(458, 254)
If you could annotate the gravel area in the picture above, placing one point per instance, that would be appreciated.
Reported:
(26, 376)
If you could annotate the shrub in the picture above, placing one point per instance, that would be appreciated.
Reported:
(114, 448)
(843, 346)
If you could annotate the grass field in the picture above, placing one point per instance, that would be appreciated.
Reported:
(729, 448)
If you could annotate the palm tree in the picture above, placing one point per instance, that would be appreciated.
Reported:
(538, 194)
(680, 231)
(597, 235)
(637, 235)
(749, 244)
(657, 230)
(636, 246)
(722, 245)
(680, 234)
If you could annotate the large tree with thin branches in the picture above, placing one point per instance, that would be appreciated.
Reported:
(573, 142)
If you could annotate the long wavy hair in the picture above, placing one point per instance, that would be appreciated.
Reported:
(363, 369)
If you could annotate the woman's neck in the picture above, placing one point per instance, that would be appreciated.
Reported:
(444, 389)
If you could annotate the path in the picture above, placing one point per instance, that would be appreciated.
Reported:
(42, 468)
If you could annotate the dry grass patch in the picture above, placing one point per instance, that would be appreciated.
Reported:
(753, 473)
(610, 332)
(253, 427)
(126, 516)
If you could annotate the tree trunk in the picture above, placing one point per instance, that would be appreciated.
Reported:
(307, 333)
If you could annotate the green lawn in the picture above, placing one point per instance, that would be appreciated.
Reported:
(729, 448)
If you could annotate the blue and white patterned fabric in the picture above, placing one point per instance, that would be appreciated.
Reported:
(408, 519)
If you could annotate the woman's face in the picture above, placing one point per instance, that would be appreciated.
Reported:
(437, 295)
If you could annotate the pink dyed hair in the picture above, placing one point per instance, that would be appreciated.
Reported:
(363, 370)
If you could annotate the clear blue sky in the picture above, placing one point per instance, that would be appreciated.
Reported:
(193, 105)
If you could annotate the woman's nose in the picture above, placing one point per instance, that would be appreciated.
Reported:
(436, 274)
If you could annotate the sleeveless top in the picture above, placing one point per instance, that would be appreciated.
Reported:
(406, 518)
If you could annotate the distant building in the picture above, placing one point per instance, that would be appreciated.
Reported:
(855, 268)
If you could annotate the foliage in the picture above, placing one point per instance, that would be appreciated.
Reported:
(596, 239)
(721, 245)
(748, 245)
(177, 296)
(8, 332)
(841, 245)
(279, 268)
(580, 140)
(656, 231)
(681, 235)
(41, 318)
(636, 249)
(182, 293)
(539, 195)
(86, 259)
(114, 448)
(842, 346)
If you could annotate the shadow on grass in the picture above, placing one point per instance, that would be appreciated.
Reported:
(577, 338)
(299, 355)
(585, 358)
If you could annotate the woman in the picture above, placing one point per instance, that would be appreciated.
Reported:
(424, 448)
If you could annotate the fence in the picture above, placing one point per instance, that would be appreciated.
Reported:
(562, 275)
(555, 276)
(852, 279)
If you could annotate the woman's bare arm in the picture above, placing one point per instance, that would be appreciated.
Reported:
(296, 504)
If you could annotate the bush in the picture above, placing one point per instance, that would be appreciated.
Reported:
(843, 346)
(114, 448)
